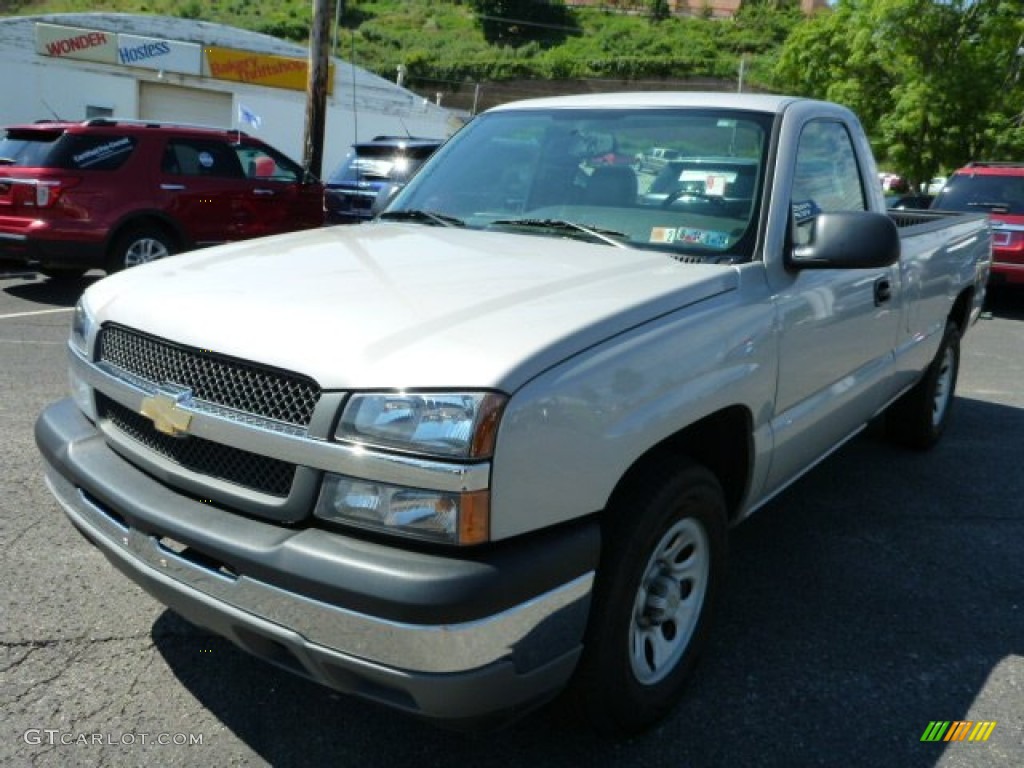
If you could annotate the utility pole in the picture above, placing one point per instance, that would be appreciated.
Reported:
(316, 88)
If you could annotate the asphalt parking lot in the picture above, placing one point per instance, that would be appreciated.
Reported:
(882, 592)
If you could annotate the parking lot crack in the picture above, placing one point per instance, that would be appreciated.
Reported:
(20, 660)
(36, 757)
(31, 646)
(130, 693)
(21, 534)
(59, 671)
(56, 641)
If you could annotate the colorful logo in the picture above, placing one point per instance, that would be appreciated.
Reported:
(958, 730)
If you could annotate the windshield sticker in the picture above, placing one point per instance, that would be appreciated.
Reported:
(805, 210)
(102, 152)
(702, 182)
(206, 159)
(690, 236)
(715, 185)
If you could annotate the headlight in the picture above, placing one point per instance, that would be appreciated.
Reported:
(81, 328)
(82, 325)
(452, 518)
(448, 425)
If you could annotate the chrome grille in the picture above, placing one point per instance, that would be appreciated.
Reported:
(224, 381)
(250, 470)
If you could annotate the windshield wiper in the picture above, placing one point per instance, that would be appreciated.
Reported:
(598, 234)
(7, 161)
(427, 217)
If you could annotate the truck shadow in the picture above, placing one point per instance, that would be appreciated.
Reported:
(49, 292)
(1005, 301)
(874, 596)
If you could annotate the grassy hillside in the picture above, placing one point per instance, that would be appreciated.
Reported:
(442, 44)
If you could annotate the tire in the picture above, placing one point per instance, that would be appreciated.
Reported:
(661, 568)
(920, 416)
(139, 246)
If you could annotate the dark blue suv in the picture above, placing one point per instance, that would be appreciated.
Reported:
(350, 191)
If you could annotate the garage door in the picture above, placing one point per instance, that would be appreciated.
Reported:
(171, 103)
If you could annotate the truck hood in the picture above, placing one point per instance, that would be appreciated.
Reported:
(396, 305)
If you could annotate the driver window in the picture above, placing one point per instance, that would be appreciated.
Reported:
(826, 178)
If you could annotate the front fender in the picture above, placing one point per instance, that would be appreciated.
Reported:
(570, 434)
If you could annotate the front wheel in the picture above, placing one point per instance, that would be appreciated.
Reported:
(139, 246)
(919, 417)
(662, 563)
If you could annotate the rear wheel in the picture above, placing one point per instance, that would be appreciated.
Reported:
(919, 417)
(139, 246)
(660, 573)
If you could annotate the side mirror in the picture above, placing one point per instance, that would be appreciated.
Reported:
(848, 240)
(384, 196)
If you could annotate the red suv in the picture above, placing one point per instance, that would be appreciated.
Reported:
(996, 189)
(110, 193)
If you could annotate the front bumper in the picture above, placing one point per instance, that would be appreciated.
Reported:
(459, 637)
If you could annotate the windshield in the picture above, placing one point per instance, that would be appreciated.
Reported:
(68, 151)
(988, 193)
(681, 180)
(27, 149)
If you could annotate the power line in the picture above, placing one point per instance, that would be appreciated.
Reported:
(525, 23)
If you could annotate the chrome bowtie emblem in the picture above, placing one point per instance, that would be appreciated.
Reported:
(163, 409)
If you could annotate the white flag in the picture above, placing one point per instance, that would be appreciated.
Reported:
(246, 115)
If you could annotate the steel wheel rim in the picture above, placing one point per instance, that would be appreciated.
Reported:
(668, 603)
(144, 250)
(943, 387)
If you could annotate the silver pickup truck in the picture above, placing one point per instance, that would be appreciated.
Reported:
(489, 445)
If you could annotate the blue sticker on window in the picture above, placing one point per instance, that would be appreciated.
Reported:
(805, 210)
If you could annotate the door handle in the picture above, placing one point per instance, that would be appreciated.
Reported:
(172, 187)
(264, 192)
(883, 291)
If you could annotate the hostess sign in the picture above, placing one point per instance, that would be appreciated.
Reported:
(171, 56)
(150, 53)
(109, 48)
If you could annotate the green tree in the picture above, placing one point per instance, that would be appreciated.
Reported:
(935, 83)
(517, 22)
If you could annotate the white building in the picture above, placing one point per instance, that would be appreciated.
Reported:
(77, 66)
